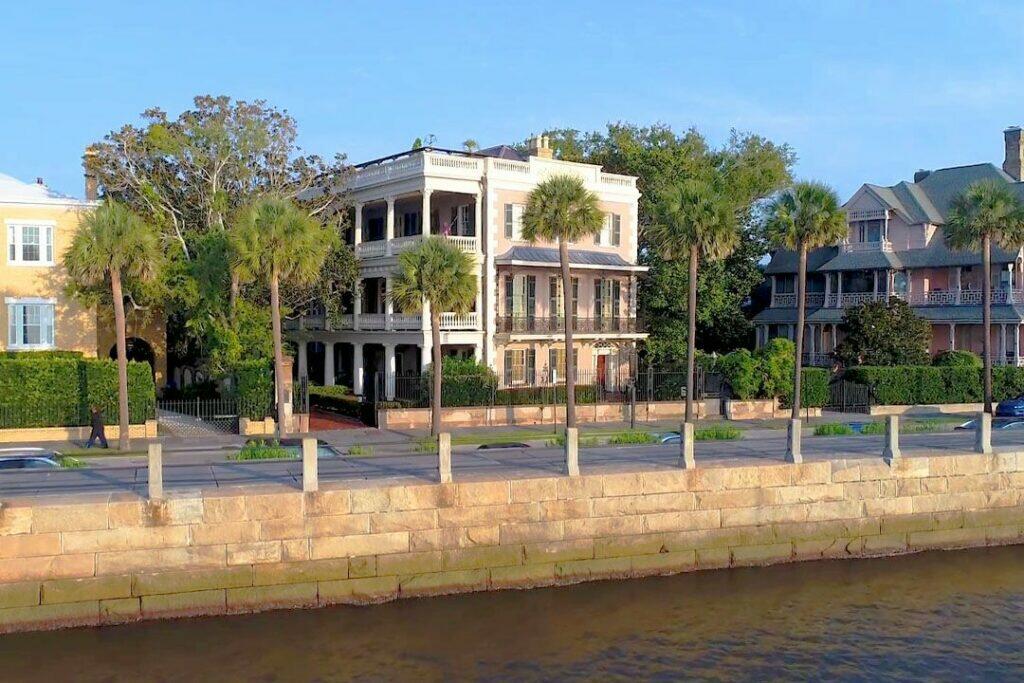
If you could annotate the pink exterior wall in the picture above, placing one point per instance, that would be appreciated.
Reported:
(585, 304)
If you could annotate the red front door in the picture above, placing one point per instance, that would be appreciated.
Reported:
(602, 369)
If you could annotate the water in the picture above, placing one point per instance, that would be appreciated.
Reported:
(942, 615)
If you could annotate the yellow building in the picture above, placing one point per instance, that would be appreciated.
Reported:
(37, 314)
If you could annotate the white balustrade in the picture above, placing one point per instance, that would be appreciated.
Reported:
(400, 244)
(401, 321)
(372, 321)
(508, 166)
(466, 243)
(459, 321)
(345, 321)
(454, 162)
(371, 249)
(851, 247)
(612, 179)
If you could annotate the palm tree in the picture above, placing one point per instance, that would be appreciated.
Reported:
(274, 239)
(804, 217)
(984, 212)
(113, 243)
(439, 273)
(695, 218)
(562, 209)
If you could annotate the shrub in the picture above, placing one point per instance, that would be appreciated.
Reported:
(873, 429)
(336, 399)
(632, 437)
(101, 390)
(916, 384)
(833, 429)
(776, 360)
(717, 433)
(741, 371)
(254, 388)
(359, 449)
(958, 359)
(1007, 382)
(813, 388)
(426, 444)
(464, 382)
(41, 355)
(41, 392)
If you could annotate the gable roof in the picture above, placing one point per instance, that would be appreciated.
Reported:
(14, 191)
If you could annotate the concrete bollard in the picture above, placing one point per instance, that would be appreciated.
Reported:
(686, 440)
(444, 457)
(793, 438)
(572, 451)
(155, 475)
(310, 465)
(891, 452)
(983, 435)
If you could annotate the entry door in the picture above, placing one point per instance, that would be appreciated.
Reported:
(602, 370)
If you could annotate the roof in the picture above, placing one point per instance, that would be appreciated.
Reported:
(502, 152)
(14, 191)
(785, 261)
(936, 255)
(935, 314)
(548, 256)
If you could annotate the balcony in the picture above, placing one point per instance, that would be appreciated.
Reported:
(373, 322)
(853, 247)
(935, 297)
(381, 248)
(817, 360)
(418, 163)
(811, 300)
(547, 325)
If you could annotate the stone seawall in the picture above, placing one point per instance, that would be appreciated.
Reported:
(118, 558)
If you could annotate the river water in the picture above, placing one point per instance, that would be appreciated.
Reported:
(941, 615)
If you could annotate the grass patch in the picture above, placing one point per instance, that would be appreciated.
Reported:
(717, 433)
(69, 463)
(584, 441)
(873, 429)
(426, 444)
(360, 449)
(632, 437)
(927, 425)
(834, 429)
(100, 453)
(270, 449)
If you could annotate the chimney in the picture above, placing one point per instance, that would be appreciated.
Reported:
(921, 174)
(1014, 152)
(91, 182)
(39, 180)
(539, 147)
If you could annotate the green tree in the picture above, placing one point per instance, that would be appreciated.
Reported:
(985, 212)
(695, 219)
(276, 241)
(113, 244)
(803, 217)
(438, 273)
(884, 333)
(561, 209)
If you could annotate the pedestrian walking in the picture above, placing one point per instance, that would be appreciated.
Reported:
(98, 428)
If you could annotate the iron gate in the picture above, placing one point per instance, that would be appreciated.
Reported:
(197, 416)
(848, 397)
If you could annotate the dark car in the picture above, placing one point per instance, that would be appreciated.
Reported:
(29, 459)
(1011, 407)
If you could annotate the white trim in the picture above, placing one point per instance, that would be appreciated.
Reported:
(574, 266)
(29, 300)
(47, 321)
(14, 235)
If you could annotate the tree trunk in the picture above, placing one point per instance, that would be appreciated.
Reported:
(691, 332)
(438, 363)
(233, 296)
(123, 441)
(986, 318)
(570, 352)
(275, 318)
(801, 283)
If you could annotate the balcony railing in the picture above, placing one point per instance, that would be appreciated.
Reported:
(546, 325)
(935, 297)
(817, 360)
(811, 300)
(459, 321)
(380, 248)
(396, 322)
(850, 247)
(372, 249)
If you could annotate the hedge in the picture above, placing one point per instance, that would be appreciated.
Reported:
(336, 399)
(768, 373)
(922, 384)
(813, 388)
(39, 390)
(254, 388)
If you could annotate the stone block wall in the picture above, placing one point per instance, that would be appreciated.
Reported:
(474, 416)
(112, 559)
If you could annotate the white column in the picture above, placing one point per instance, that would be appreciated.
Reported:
(389, 224)
(839, 289)
(328, 364)
(1002, 344)
(426, 212)
(874, 286)
(478, 212)
(479, 299)
(389, 371)
(956, 283)
(828, 288)
(425, 353)
(302, 357)
(952, 336)
(478, 353)
(835, 336)
(389, 305)
(1016, 344)
(357, 303)
(811, 344)
(357, 228)
(357, 368)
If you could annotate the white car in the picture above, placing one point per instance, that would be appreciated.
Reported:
(29, 459)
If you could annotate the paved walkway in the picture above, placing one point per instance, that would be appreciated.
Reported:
(467, 464)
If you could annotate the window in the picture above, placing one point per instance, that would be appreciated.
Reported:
(409, 224)
(29, 324)
(514, 221)
(868, 231)
(30, 244)
(520, 299)
(519, 366)
(556, 364)
(611, 230)
(607, 299)
(463, 220)
(556, 307)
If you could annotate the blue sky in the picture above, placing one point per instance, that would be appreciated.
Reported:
(864, 91)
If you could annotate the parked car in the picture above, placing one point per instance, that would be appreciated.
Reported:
(998, 423)
(29, 459)
(1011, 407)
(669, 437)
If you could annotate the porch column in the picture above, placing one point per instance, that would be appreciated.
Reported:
(357, 368)
(874, 285)
(478, 353)
(810, 340)
(952, 336)
(389, 305)
(956, 283)
(1016, 344)
(1002, 344)
(477, 221)
(479, 300)
(389, 371)
(357, 228)
(357, 303)
(302, 358)
(426, 211)
(389, 225)
(839, 289)
(828, 287)
(773, 290)
(328, 364)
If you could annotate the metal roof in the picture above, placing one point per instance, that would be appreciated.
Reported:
(549, 256)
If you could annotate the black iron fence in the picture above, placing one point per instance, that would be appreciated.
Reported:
(529, 323)
(649, 384)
